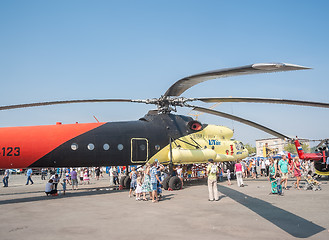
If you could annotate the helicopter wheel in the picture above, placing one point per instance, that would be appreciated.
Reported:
(165, 183)
(122, 183)
(127, 182)
(175, 183)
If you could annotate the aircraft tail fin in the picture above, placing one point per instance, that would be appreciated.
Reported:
(299, 148)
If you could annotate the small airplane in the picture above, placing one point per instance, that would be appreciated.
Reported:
(170, 138)
(319, 157)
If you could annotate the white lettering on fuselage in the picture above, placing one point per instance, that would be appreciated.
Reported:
(213, 142)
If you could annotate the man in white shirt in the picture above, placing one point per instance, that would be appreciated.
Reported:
(50, 188)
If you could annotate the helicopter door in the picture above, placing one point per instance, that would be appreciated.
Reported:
(139, 150)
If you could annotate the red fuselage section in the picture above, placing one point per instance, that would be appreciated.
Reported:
(22, 146)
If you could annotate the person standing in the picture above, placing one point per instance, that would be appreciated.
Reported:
(81, 175)
(133, 181)
(86, 178)
(74, 179)
(111, 176)
(278, 184)
(29, 176)
(267, 165)
(138, 187)
(262, 168)
(228, 172)
(115, 175)
(238, 173)
(154, 181)
(297, 172)
(64, 185)
(212, 171)
(244, 169)
(253, 169)
(43, 174)
(179, 172)
(272, 178)
(97, 172)
(283, 169)
(146, 186)
(5, 178)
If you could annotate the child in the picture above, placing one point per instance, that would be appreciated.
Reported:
(228, 176)
(138, 188)
(64, 186)
(278, 182)
(311, 183)
(86, 178)
(67, 175)
(81, 176)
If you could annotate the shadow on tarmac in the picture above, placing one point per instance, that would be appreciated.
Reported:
(77, 193)
(20, 193)
(288, 222)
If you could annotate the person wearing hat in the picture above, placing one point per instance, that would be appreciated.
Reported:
(212, 171)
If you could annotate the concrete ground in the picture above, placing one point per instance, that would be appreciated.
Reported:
(96, 211)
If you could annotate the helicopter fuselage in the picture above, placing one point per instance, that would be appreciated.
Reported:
(118, 143)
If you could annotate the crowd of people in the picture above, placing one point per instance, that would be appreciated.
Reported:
(146, 181)
(277, 171)
(280, 170)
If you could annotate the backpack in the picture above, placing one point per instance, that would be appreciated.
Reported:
(213, 169)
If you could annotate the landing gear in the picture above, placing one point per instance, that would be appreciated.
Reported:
(172, 183)
(165, 183)
(175, 183)
(125, 181)
(122, 182)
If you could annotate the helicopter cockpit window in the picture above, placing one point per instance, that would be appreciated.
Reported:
(120, 147)
(239, 146)
(91, 146)
(106, 147)
(74, 146)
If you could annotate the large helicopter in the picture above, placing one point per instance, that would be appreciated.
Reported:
(158, 135)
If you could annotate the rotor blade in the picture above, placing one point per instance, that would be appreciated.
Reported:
(321, 143)
(63, 102)
(185, 83)
(263, 100)
(242, 120)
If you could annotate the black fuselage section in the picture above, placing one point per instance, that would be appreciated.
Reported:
(119, 143)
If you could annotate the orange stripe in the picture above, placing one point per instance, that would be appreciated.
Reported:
(35, 142)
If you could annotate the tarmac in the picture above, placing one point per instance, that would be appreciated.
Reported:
(96, 211)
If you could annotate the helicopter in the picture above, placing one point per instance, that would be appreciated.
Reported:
(319, 157)
(160, 134)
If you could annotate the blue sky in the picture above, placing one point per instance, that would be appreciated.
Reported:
(59, 50)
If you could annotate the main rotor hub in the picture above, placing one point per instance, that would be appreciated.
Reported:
(168, 104)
